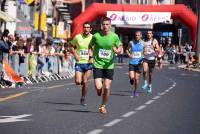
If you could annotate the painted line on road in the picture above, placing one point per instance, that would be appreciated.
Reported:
(96, 131)
(140, 107)
(128, 114)
(57, 86)
(156, 97)
(167, 90)
(12, 96)
(149, 102)
(113, 122)
(163, 93)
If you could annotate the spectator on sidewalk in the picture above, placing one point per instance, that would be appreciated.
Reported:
(192, 62)
(31, 51)
(4, 48)
(41, 51)
(50, 51)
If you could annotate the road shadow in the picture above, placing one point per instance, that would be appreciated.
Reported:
(77, 111)
(117, 94)
(61, 103)
(124, 93)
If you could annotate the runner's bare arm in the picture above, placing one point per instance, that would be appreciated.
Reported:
(128, 50)
(73, 51)
(145, 49)
(156, 45)
(117, 50)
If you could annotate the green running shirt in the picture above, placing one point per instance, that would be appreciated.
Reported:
(103, 49)
(82, 46)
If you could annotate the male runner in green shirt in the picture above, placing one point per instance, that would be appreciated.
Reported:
(104, 44)
(83, 67)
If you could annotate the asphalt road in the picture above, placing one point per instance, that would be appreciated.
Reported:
(54, 107)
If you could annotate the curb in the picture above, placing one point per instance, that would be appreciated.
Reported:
(189, 69)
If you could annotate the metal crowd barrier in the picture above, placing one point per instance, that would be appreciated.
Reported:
(61, 68)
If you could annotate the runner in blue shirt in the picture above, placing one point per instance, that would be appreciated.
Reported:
(135, 52)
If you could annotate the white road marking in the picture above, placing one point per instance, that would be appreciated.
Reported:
(140, 107)
(167, 90)
(149, 102)
(56, 86)
(163, 93)
(96, 131)
(112, 123)
(8, 119)
(128, 114)
(156, 97)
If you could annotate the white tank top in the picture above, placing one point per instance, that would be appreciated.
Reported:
(150, 50)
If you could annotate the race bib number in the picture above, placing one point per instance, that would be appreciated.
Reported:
(106, 54)
(84, 53)
(136, 55)
(149, 51)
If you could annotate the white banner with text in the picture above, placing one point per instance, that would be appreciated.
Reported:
(138, 18)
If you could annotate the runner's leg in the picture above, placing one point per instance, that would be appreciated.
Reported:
(78, 77)
(98, 86)
(131, 76)
(85, 78)
(137, 82)
(145, 75)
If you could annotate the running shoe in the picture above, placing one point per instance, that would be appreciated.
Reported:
(149, 90)
(145, 86)
(134, 94)
(103, 110)
(83, 102)
(131, 81)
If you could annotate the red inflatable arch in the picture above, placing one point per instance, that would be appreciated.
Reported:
(96, 10)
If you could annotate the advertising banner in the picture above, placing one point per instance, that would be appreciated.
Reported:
(138, 18)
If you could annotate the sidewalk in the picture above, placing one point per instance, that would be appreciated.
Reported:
(190, 69)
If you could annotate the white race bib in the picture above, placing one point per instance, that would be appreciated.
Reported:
(106, 54)
(149, 50)
(136, 55)
(84, 53)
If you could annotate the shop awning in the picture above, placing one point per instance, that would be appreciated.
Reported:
(7, 18)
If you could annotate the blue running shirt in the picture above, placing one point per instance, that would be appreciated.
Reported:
(136, 52)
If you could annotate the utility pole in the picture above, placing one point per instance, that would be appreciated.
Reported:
(198, 33)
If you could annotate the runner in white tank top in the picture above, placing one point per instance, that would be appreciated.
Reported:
(150, 48)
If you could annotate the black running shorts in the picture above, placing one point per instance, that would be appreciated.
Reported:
(103, 73)
(151, 64)
(136, 68)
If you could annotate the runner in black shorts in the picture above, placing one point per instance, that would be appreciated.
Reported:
(150, 48)
(104, 45)
(103, 73)
(135, 52)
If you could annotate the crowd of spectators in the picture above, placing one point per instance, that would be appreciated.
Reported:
(35, 52)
